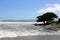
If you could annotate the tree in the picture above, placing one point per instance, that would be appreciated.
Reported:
(59, 20)
(49, 16)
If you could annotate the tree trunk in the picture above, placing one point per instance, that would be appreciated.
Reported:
(44, 22)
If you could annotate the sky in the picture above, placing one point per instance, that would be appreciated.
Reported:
(27, 9)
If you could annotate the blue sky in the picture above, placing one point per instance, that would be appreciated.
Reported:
(23, 9)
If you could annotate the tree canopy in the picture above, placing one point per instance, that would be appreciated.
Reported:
(48, 16)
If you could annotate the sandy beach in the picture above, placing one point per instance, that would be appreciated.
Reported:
(38, 37)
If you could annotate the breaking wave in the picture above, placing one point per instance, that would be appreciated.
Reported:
(10, 30)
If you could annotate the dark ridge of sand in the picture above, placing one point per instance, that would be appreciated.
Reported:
(38, 37)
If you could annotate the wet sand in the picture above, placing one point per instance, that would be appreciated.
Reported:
(39, 37)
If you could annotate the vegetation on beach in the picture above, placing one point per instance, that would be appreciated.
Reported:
(49, 21)
(47, 17)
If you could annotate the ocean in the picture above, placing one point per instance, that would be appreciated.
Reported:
(25, 31)
(29, 20)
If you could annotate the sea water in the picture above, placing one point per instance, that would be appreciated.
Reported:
(21, 29)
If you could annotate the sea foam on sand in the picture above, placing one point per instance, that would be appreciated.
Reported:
(14, 29)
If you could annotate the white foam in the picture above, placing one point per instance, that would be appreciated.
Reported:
(10, 30)
(21, 23)
(15, 33)
(26, 33)
(7, 34)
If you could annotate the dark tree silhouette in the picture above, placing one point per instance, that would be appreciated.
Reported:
(49, 16)
(59, 20)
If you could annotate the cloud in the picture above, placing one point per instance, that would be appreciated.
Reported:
(50, 8)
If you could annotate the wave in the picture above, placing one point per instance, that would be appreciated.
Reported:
(14, 30)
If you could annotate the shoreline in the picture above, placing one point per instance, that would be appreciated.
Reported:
(21, 22)
(38, 37)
